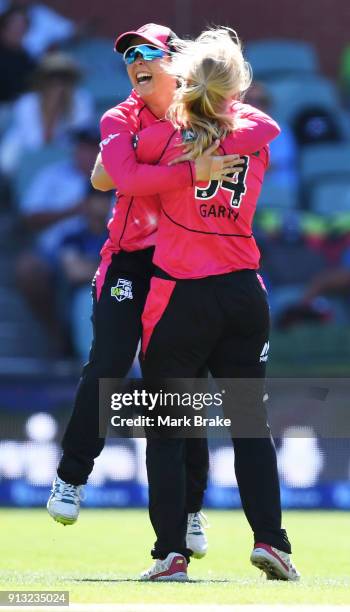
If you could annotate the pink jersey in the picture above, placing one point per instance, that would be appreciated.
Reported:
(135, 215)
(207, 229)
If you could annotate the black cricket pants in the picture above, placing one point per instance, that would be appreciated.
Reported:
(116, 334)
(221, 322)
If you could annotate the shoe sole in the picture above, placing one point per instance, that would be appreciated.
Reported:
(198, 555)
(269, 568)
(63, 520)
(178, 577)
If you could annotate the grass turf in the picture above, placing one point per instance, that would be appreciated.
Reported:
(99, 559)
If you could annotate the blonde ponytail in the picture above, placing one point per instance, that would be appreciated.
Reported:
(213, 72)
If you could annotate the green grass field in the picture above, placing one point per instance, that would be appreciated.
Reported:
(99, 559)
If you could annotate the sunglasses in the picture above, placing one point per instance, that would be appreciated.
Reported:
(147, 52)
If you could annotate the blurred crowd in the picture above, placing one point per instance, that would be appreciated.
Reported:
(55, 82)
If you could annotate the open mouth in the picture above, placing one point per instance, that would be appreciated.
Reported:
(143, 77)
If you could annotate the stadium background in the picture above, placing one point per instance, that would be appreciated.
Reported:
(303, 227)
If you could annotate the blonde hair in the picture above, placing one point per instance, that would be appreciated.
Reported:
(213, 72)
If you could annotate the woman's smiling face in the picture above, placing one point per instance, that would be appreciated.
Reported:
(149, 78)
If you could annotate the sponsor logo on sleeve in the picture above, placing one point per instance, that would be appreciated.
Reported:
(107, 140)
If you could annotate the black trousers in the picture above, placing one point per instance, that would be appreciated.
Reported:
(119, 295)
(221, 322)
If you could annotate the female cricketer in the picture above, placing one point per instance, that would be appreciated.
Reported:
(122, 281)
(126, 270)
(206, 272)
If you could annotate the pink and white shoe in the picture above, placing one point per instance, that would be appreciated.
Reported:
(171, 569)
(275, 563)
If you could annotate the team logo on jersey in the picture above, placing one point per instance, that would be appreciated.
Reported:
(107, 140)
(122, 290)
(264, 355)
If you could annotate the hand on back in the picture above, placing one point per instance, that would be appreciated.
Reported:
(211, 166)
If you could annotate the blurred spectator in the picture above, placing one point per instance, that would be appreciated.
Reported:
(79, 256)
(334, 282)
(316, 125)
(306, 266)
(16, 65)
(335, 242)
(288, 264)
(47, 114)
(52, 207)
(326, 298)
(302, 313)
(283, 159)
(46, 27)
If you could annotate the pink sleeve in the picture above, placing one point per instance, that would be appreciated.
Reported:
(255, 129)
(131, 177)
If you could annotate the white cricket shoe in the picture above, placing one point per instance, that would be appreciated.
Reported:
(196, 540)
(171, 569)
(275, 563)
(64, 502)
